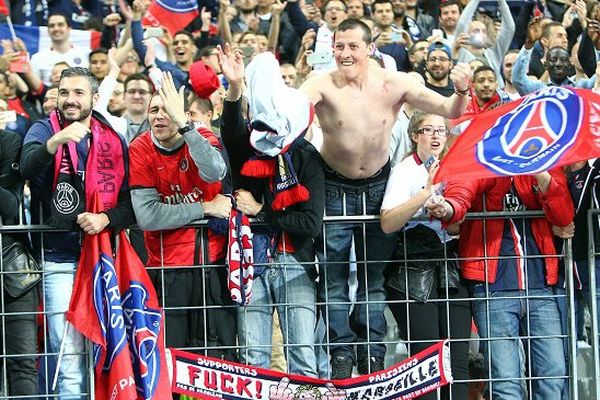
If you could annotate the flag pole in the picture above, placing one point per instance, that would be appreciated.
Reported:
(11, 27)
(60, 354)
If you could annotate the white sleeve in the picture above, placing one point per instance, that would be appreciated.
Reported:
(397, 190)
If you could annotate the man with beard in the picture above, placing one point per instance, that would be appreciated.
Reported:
(478, 38)
(74, 126)
(449, 14)
(558, 64)
(437, 69)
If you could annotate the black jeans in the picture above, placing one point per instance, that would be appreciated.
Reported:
(20, 331)
(207, 326)
(428, 322)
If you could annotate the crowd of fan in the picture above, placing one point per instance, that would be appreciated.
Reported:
(172, 177)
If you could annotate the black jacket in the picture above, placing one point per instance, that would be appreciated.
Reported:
(303, 221)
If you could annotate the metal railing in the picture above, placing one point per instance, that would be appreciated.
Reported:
(45, 356)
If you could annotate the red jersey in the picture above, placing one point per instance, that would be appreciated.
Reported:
(176, 178)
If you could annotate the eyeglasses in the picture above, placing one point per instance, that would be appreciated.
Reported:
(338, 9)
(430, 131)
(438, 59)
(141, 92)
(132, 59)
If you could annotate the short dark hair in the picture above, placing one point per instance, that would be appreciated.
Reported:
(352, 23)
(205, 105)
(413, 48)
(483, 68)
(57, 14)
(449, 3)
(99, 50)
(186, 33)
(139, 77)
(382, 2)
(206, 51)
(73, 72)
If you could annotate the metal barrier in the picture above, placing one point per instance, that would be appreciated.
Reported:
(586, 387)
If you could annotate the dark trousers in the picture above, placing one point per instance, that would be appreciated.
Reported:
(20, 334)
(199, 312)
(428, 323)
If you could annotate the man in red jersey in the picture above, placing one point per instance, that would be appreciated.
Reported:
(175, 177)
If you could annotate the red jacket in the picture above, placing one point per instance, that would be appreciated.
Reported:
(468, 197)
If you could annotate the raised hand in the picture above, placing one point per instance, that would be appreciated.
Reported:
(173, 100)
(278, 7)
(461, 76)
(231, 63)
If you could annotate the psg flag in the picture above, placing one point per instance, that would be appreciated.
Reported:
(547, 129)
(173, 15)
(115, 307)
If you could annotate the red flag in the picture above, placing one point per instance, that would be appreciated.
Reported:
(95, 310)
(3, 8)
(145, 325)
(547, 129)
(173, 15)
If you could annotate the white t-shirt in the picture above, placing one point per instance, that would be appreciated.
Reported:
(43, 61)
(407, 179)
(400, 142)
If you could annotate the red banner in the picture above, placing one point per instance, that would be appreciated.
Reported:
(209, 378)
(547, 129)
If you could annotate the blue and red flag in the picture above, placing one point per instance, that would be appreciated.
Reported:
(96, 311)
(174, 15)
(547, 129)
(145, 325)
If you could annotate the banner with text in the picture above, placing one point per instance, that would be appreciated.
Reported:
(209, 378)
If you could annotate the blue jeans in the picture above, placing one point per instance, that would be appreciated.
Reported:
(285, 285)
(58, 285)
(509, 318)
(367, 322)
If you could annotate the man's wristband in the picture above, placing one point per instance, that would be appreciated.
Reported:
(462, 92)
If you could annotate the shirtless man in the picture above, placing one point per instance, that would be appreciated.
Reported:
(357, 107)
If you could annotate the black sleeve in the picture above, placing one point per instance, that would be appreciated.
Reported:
(121, 216)
(305, 218)
(35, 159)
(107, 39)
(587, 55)
(202, 41)
(521, 21)
(573, 32)
(234, 133)
(11, 183)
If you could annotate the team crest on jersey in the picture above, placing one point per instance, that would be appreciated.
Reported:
(67, 199)
(143, 327)
(533, 136)
(185, 164)
(107, 303)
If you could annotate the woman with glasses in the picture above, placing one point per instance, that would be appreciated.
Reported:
(424, 286)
